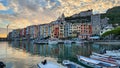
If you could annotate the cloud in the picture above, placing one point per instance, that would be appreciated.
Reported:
(3, 32)
(3, 23)
(2, 7)
(70, 7)
(21, 23)
(31, 12)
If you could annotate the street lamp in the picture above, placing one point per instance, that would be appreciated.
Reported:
(7, 28)
(6, 45)
(7, 34)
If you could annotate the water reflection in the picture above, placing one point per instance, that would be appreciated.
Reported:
(27, 54)
(62, 51)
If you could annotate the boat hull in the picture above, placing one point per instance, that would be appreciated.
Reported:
(95, 63)
(52, 42)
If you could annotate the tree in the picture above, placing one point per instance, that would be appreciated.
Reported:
(115, 32)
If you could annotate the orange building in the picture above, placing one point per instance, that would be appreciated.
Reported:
(83, 30)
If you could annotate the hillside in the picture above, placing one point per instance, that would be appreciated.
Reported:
(84, 16)
(79, 19)
(113, 14)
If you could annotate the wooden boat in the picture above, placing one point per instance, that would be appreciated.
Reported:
(106, 59)
(96, 63)
(115, 53)
(106, 55)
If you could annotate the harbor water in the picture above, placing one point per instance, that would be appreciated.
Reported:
(24, 54)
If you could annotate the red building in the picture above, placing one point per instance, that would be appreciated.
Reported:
(55, 31)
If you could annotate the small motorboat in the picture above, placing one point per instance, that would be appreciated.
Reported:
(71, 64)
(106, 59)
(65, 62)
(46, 64)
(96, 63)
(53, 41)
(106, 55)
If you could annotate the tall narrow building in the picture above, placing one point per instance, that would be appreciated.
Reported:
(95, 21)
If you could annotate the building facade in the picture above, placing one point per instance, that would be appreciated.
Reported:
(96, 24)
(81, 25)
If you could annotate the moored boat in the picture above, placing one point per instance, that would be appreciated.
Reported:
(115, 53)
(49, 64)
(77, 40)
(106, 59)
(67, 41)
(96, 63)
(53, 41)
(41, 41)
(106, 55)
(65, 62)
(71, 64)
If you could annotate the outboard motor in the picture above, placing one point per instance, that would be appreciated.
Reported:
(44, 62)
(2, 65)
(103, 51)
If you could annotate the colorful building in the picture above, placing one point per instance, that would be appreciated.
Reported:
(28, 32)
(44, 31)
(81, 25)
(84, 30)
(67, 30)
(33, 31)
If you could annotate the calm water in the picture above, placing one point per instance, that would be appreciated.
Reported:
(25, 54)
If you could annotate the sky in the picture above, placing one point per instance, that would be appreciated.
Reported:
(22, 13)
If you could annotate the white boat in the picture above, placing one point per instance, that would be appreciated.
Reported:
(65, 62)
(46, 64)
(53, 41)
(105, 59)
(107, 54)
(96, 63)
(77, 40)
(67, 42)
(71, 64)
(115, 53)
